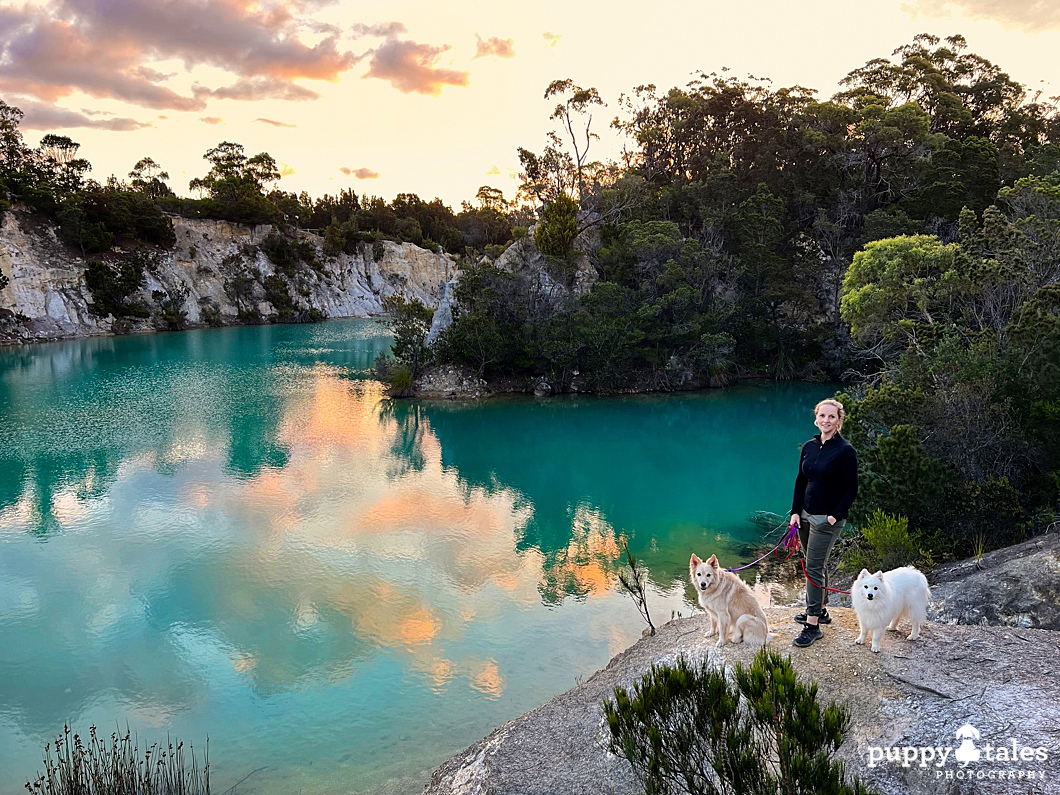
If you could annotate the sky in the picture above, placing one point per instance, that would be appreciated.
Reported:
(433, 97)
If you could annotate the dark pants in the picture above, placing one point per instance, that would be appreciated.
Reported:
(816, 538)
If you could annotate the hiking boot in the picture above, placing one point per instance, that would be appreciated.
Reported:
(809, 634)
(824, 618)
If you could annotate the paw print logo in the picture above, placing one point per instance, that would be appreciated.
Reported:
(967, 752)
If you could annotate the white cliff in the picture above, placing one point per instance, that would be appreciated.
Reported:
(46, 296)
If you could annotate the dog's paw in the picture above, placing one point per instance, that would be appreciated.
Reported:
(913, 636)
(720, 643)
(859, 641)
(875, 649)
(711, 632)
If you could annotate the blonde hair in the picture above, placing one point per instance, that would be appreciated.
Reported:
(838, 407)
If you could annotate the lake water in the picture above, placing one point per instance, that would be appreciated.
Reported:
(233, 533)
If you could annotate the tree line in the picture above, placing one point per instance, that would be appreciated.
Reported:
(52, 179)
(903, 236)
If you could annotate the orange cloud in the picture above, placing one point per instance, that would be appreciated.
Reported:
(487, 679)
(104, 49)
(287, 170)
(50, 58)
(551, 38)
(410, 68)
(211, 119)
(497, 47)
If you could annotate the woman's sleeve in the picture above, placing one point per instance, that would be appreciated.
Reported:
(800, 486)
(849, 474)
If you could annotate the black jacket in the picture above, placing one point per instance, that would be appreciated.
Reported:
(828, 478)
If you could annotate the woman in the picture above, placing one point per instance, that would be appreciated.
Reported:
(824, 491)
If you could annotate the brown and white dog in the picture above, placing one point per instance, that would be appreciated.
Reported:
(729, 602)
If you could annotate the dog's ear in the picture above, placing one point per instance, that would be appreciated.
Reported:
(712, 561)
(864, 573)
(879, 574)
(695, 561)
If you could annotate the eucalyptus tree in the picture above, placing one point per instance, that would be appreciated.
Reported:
(149, 178)
(235, 183)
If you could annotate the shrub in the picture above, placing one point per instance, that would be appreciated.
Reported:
(384, 363)
(286, 254)
(118, 768)
(241, 290)
(210, 312)
(400, 381)
(111, 286)
(494, 252)
(885, 543)
(691, 729)
(278, 294)
(557, 228)
(171, 314)
(91, 237)
(410, 322)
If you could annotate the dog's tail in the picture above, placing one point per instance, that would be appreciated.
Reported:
(756, 628)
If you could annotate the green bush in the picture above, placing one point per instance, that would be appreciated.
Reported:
(555, 232)
(112, 284)
(400, 381)
(171, 314)
(691, 729)
(277, 293)
(210, 312)
(885, 543)
(410, 323)
(287, 254)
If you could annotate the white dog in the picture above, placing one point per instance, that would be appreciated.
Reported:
(729, 602)
(882, 599)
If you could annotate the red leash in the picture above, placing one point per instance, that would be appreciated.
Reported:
(790, 541)
(826, 588)
(802, 562)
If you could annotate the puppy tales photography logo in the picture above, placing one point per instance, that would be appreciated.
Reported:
(971, 759)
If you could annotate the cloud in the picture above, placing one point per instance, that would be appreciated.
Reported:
(286, 169)
(360, 173)
(244, 38)
(387, 30)
(492, 171)
(275, 123)
(498, 48)
(551, 38)
(104, 48)
(211, 119)
(40, 116)
(259, 88)
(410, 68)
(1029, 15)
(50, 58)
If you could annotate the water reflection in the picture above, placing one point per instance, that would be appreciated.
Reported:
(237, 531)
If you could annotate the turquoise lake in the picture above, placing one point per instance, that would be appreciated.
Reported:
(233, 533)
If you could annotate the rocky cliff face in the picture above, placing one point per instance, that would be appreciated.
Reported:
(220, 265)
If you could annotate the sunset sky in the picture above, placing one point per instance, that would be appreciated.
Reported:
(429, 96)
